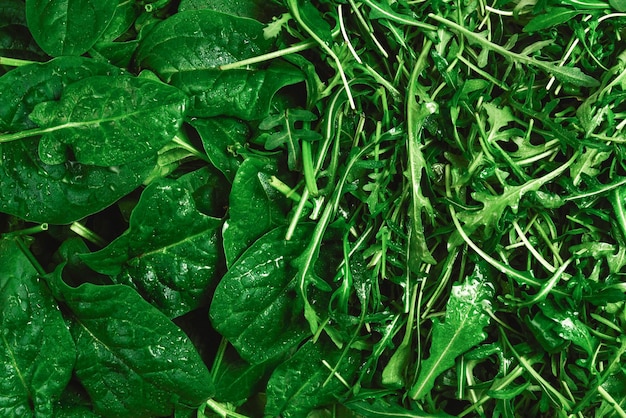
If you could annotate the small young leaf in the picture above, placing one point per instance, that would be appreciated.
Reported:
(461, 330)
(551, 17)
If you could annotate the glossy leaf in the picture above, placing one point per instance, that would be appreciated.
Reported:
(108, 121)
(68, 27)
(254, 207)
(255, 305)
(200, 40)
(255, 9)
(22, 88)
(132, 360)
(310, 379)
(245, 94)
(236, 379)
(171, 252)
(462, 329)
(222, 138)
(37, 353)
(61, 193)
(552, 17)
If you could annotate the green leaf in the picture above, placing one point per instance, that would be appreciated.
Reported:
(250, 92)
(290, 127)
(254, 207)
(255, 305)
(132, 360)
(552, 16)
(196, 40)
(222, 138)
(260, 10)
(310, 379)
(22, 88)
(461, 330)
(61, 193)
(236, 380)
(109, 120)
(170, 253)
(37, 353)
(68, 27)
(380, 408)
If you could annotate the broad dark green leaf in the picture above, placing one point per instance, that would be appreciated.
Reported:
(22, 88)
(551, 17)
(222, 138)
(171, 252)
(132, 360)
(260, 10)
(254, 207)
(68, 27)
(200, 40)
(61, 193)
(236, 380)
(108, 121)
(305, 382)
(461, 330)
(245, 94)
(255, 305)
(37, 353)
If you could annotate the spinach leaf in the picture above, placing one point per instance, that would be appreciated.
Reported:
(254, 207)
(131, 359)
(256, 303)
(315, 376)
(245, 94)
(108, 121)
(170, 253)
(68, 27)
(200, 40)
(36, 350)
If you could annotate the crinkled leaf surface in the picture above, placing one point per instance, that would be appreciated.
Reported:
(132, 360)
(255, 305)
(36, 350)
(68, 27)
(171, 251)
(304, 382)
(242, 93)
(461, 330)
(22, 88)
(199, 40)
(109, 120)
(254, 207)
(61, 193)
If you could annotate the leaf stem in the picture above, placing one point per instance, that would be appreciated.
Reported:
(14, 62)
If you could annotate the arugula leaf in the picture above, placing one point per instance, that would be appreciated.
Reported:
(36, 350)
(462, 329)
(169, 254)
(130, 358)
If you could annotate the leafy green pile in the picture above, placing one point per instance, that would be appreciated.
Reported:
(333, 208)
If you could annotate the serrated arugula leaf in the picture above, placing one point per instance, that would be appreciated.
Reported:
(170, 253)
(289, 128)
(37, 353)
(461, 329)
(132, 360)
